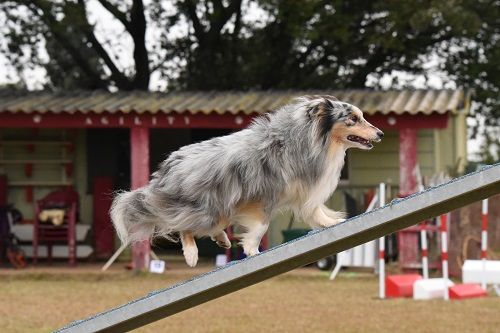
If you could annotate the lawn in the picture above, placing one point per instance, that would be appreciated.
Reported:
(41, 300)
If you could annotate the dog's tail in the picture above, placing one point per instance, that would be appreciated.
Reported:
(131, 218)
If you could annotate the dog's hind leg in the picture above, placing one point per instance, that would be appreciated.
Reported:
(219, 236)
(222, 240)
(189, 248)
(251, 216)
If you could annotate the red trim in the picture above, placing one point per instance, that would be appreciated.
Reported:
(393, 121)
(444, 256)
(381, 254)
(484, 224)
(130, 120)
(425, 253)
(483, 254)
(187, 120)
(444, 221)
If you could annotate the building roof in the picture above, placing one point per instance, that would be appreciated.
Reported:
(370, 101)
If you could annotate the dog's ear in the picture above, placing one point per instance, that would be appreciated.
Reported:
(321, 111)
(320, 107)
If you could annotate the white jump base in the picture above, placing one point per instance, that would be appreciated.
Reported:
(431, 288)
(479, 271)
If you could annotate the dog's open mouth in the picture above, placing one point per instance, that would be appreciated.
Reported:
(358, 139)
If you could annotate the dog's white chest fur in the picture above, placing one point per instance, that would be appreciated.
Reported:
(327, 183)
(304, 199)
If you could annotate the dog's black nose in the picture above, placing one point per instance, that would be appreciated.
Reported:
(380, 134)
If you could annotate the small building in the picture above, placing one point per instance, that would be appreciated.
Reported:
(98, 142)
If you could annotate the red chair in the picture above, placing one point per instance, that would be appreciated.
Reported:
(48, 234)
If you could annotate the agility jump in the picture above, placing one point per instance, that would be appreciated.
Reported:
(318, 244)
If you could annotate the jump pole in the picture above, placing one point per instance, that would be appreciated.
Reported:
(423, 238)
(381, 249)
(296, 253)
(425, 252)
(444, 254)
(484, 239)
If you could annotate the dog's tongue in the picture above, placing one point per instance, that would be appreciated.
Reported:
(356, 138)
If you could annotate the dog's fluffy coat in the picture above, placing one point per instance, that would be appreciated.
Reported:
(289, 159)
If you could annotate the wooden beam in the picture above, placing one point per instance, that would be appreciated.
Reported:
(188, 120)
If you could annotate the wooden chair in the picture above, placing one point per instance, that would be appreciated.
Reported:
(49, 234)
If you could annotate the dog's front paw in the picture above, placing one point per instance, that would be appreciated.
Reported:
(253, 252)
(250, 251)
(331, 222)
(325, 217)
(191, 256)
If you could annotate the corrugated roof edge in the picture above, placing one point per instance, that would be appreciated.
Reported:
(372, 101)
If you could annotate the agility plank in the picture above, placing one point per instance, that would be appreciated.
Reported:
(310, 248)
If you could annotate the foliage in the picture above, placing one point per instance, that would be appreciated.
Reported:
(257, 44)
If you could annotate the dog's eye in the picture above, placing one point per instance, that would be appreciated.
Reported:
(354, 119)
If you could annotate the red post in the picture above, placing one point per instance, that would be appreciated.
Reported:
(408, 238)
(139, 156)
(101, 226)
(407, 161)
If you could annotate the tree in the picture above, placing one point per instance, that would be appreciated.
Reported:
(292, 44)
(71, 42)
(473, 61)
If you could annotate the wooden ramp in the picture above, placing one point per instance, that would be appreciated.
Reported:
(310, 248)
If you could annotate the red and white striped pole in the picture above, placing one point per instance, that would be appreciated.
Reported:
(423, 243)
(381, 249)
(444, 253)
(484, 239)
